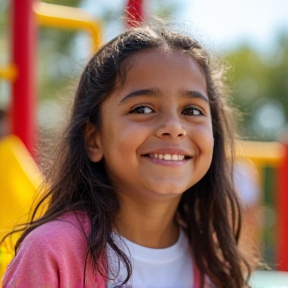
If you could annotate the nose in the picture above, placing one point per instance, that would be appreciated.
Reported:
(171, 127)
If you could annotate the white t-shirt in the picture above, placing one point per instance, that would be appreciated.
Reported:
(153, 268)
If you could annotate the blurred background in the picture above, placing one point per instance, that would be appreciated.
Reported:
(251, 36)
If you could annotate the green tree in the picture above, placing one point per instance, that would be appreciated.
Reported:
(260, 89)
(4, 48)
(55, 55)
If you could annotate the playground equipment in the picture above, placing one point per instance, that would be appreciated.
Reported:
(26, 16)
(135, 13)
(16, 196)
(273, 155)
(68, 18)
(8, 72)
(16, 162)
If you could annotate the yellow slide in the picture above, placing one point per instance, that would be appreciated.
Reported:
(19, 179)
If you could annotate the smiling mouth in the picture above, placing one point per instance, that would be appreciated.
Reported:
(168, 157)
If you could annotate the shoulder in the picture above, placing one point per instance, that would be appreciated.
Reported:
(59, 236)
(67, 228)
(55, 250)
(67, 232)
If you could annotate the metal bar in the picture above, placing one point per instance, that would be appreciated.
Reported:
(262, 153)
(282, 214)
(8, 72)
(69, 18)
(135, 12)
(24, 34)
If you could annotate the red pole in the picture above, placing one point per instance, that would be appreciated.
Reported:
(24, 33)
(134, 10)
(282, 213)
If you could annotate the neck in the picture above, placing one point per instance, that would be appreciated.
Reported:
(148, 223)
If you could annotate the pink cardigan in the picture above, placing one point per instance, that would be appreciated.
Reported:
(53, 256)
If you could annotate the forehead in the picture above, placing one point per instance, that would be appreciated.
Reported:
(161, 66)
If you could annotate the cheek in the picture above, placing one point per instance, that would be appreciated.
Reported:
(203, 137)
(122, 139)
(206, 148)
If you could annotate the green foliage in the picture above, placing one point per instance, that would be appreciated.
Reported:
(70, 3)
(55, 55)
(166, 11)
(4, 49)
(260, 85)
(3, 13)
(278, 73)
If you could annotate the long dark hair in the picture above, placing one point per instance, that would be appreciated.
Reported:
(209, 210)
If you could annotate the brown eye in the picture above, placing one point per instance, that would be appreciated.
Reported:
(142, 110)
(192, 111)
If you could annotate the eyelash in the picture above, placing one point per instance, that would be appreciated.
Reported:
(136, 110)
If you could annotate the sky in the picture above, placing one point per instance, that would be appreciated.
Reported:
(227, 23)
(235, 21)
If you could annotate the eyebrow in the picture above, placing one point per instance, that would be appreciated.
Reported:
(155, 93)
(194, 94)
(141, 92)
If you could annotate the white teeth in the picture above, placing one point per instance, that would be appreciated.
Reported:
(175, 157)
(181, 157)
(168, 157)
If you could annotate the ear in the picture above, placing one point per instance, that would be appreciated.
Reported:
(93, 143)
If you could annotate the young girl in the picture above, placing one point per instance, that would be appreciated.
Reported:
(141, 192)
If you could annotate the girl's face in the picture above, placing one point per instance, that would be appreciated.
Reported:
(156, 136)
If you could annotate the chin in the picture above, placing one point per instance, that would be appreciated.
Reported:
(169, 189)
